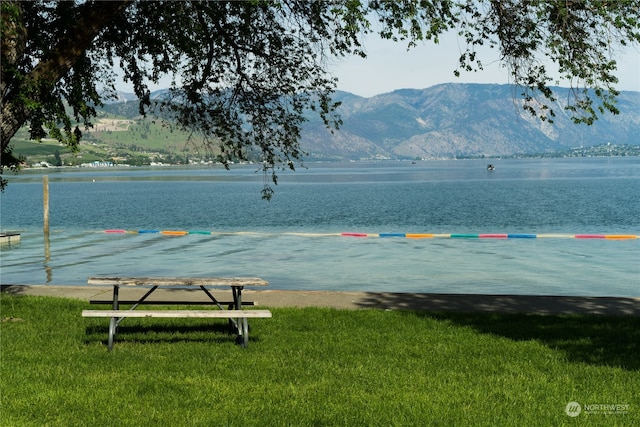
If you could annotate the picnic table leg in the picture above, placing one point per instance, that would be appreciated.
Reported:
(233, 326)
(242, 324)
(113, 323)
(237, 297)
(115, 304)
(243, 332)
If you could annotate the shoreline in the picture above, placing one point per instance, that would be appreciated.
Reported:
(432, 302)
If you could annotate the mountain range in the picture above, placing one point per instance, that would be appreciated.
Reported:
(453, 120)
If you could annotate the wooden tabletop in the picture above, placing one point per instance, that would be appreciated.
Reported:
(177, 281)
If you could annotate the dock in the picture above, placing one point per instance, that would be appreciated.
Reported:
(9, 238)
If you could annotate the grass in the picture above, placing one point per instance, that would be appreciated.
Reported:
(313, 367)
(31, 148)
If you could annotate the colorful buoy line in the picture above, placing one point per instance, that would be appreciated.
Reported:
(495, 236)
(396, 235)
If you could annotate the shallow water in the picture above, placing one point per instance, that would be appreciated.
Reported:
(294, 242)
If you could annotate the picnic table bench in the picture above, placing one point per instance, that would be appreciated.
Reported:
(237, 317)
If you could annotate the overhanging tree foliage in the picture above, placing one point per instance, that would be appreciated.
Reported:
(246, 73)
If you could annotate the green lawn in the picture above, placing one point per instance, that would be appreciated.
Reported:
(313, 367)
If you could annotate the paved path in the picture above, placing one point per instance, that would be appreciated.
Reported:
(357, 300)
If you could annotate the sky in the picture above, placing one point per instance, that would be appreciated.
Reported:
(390, 66)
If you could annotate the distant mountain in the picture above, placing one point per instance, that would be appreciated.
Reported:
(121, 97)
(452, 120)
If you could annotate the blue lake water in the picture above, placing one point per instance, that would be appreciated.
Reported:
(293, 241)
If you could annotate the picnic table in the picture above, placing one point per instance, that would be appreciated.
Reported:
(236, 315)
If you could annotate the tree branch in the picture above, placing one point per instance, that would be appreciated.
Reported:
(93, 17)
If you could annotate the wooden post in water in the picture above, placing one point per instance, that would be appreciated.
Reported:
(45, 202)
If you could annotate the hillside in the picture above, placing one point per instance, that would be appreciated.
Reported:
(443, 121)
(454, 120)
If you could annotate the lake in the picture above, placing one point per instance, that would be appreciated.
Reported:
(295, 241)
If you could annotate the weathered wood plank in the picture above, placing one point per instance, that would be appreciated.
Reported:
(171, 302)
(234, 314)
(177, 281)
